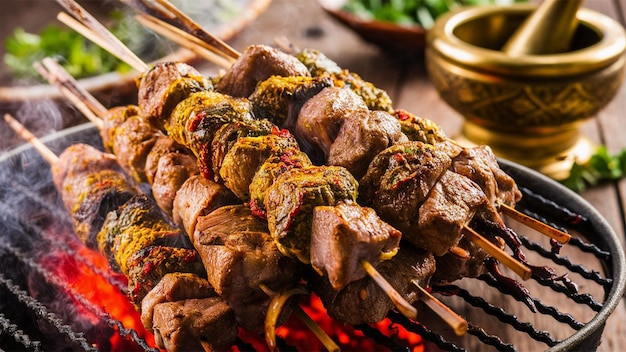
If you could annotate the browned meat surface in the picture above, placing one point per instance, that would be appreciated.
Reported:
(363, 301)
(148, 266)
(292, 197)
(258, 63)
(240, 255)
(174, 287)
(164, 86)
(279, 99)
(172, 171)
(399, 180)
(140, 243)
(91, 184)
(362, 136)
(273, 167)
(112, 120)
(132, 142)
(205, 324)
(481, 166)
(321, 117)
(343, 235)
(208, 123)
(451, 267)
(197, 197)
(163, 145)
(450, 206)
(246, 156)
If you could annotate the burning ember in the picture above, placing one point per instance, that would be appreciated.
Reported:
(97, 299)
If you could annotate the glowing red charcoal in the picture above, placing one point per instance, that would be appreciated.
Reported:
(80, 277)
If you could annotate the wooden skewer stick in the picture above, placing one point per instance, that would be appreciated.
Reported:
(403, 306)
(455, 321)
(87, 20)
(520, 269)
(23, 132)
(181, 19)
(185, 40)
(535, 224)
(64, 79)
(76, 98)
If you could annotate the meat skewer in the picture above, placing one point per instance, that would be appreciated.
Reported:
(402, 305)
(58, 76)
(109, 190)
(317, 63)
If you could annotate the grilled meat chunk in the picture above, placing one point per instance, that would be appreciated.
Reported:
(399, 180)
(240, 256)
(321, 117)
(267, 173)
(174, 287)
(206, 324)
(166, 84)
(111, 120)
(91, 184)
(343, 235)
(172, 171)
(363, 301)
(362, 136)
(141, 244)
(197, 197)
(132, 141)
(208, 123)
(247, 155)
(478, 163)
(135, 225)
(420, 129)
(450, 206)
(451, 267)
(319, 64)
(148, 265)
(280, 99)
(292, 197)
(481, 166)
(164, 145)
(258, 63)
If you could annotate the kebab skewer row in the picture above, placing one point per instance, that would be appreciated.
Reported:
(491, 183)
(247, 123)
(457, 323)
(191, 217)
(375, 99)
(453, 319)
(105, 189)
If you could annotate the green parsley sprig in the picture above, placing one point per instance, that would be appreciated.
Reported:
(602, 166)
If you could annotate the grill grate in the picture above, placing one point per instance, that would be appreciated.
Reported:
(31, 216)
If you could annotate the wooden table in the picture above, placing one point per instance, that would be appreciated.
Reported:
(306, 25)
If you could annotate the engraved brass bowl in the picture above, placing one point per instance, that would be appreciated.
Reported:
(528, 108)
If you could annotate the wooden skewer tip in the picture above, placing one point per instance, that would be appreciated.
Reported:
(519, 268)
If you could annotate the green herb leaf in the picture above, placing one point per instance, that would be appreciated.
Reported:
(602, 166)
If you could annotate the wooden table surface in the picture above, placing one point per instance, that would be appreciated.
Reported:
(306, 25)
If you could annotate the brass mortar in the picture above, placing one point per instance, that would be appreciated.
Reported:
(529, 108)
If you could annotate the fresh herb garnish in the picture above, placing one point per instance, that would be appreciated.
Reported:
(77, 55)
(410, 12)
(601, 166)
